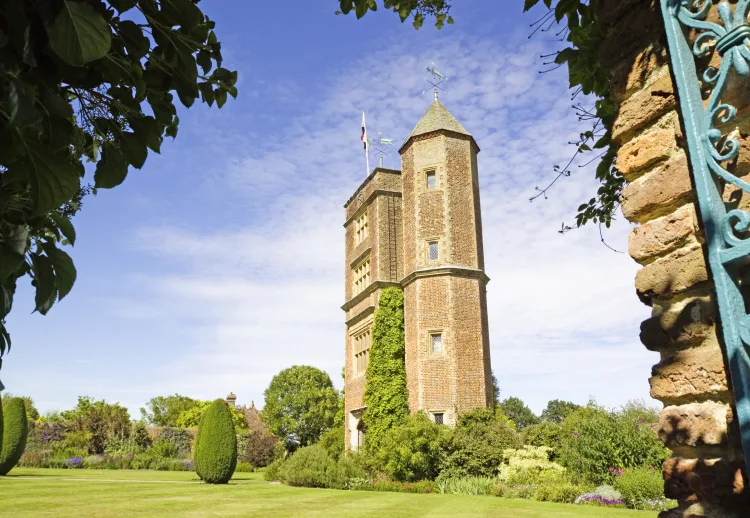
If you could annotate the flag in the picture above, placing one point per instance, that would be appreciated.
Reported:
(363, 138)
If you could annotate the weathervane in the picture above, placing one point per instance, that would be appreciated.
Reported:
(437, 80)
(378, 145)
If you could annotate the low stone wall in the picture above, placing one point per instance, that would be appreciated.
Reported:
(706, 473)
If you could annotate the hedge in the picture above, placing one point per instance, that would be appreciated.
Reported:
(216, 445)
(15, 432)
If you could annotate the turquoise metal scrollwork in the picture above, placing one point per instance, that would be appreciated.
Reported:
(710, 148)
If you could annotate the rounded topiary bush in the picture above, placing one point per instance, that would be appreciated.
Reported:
(215, 453)
(15, 430)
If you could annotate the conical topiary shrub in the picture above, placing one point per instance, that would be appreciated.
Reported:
(215, 452)
(15, 430)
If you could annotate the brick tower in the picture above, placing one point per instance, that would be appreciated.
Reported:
(420, 229)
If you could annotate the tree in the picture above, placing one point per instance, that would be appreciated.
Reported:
(557, 410)
(477, 447)
(86, 80)
(100, 419)
(31, 410)
(164, 410)
(386, 395)
(191, 417)
(300, 404)
(518, 412)
(216, 445)
(413, 450)
(495, 392)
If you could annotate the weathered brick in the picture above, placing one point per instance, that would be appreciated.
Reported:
(632, 75)
(658, 192)
(686, 325)
(630, 30)
(644, 107)
(707, 481)
(690, 373)
(645, 151)
(662, 235)
(672, 274)
(695, 424)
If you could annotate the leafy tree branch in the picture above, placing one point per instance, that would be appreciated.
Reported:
(95, 81)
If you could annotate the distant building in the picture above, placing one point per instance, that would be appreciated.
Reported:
(420, 229)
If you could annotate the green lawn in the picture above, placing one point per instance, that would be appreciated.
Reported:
(103, 493)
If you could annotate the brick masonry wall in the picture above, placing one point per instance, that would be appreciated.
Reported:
(706, 472)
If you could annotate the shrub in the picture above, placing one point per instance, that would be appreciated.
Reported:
(530, 465)
(271, 473)
(15, 432)
(594, 439)
(562, 492)
(257, 447)
(31, 460)
(386, 396)
(311, 466)
(216, 445)
(465, 485)
(180, 437)
(413, 450)
(546, 434)
(638, 484)
(478, 443)
(244, 467)
(164, 449)
(421, 487)
(608, 492)
(333, 442)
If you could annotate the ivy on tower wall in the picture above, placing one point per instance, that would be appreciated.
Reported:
(386, 395)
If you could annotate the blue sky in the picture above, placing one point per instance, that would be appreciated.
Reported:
(221, 261)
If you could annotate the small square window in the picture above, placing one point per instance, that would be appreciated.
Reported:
(431, 180)
(436, 342)
(438, 418)
(434, 250)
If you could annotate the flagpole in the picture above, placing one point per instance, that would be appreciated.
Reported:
(367, 160)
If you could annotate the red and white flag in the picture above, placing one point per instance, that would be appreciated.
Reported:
(363, 138)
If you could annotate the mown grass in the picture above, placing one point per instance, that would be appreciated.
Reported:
(104, 494)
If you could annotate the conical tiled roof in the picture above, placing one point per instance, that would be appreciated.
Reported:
(437, 118)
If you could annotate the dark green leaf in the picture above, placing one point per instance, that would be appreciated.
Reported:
(528, 4)
(79, 35)
(185, 11)
(44, 277)
(133, 150)
(136, 43)
(65, 226)
(147, 130)
(122, 5)
(10, 260)
(207, 92)
(21, 104)
(65, 270)
(204, 60)
(221, 96)
(111, 169)
(53, 178)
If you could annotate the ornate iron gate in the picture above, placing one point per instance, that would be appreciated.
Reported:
(710, 149)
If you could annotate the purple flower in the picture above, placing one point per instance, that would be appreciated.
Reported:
(575, 434)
